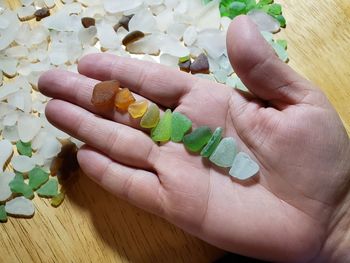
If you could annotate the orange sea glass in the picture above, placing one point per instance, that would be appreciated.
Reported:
(123, 99)
(138, 108)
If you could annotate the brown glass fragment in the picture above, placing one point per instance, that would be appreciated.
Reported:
(104, 94)
(185, 66)
(200, 65)
(87, 22)
(132, 37)
(123, 22)
(41, 13)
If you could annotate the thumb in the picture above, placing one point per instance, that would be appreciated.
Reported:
(257, 65)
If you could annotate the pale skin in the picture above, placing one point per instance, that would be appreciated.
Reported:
(294, 210)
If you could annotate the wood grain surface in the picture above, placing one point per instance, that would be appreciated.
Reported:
(94, 226)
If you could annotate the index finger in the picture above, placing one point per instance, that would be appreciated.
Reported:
(161, 84)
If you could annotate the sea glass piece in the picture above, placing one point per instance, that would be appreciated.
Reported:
(123, 22)
(132, 37)
(42, 13)
(162, 132)
(104, 94)
(185, 66)
(225, 153)
(200, 65)
(49, 189)
(123, 99)
(5, 190)
(213, 143)
(3, 214)
(57, 200)
(5, 153)
(180, 125)
(197, 139)
(24, 148)
(243, 167)
(20, 206)
(18, 186)
(151, 117)
(138, 108)
(22, 163)
(37, 177)
(88, 22)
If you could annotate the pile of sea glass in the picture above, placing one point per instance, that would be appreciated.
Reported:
(46, 34)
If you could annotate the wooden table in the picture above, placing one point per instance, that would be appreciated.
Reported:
(94, 226)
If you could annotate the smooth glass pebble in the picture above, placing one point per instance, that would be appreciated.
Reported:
(5, 190)
(200, 65)
(20, 206)
(37, 177)
(225, 153)
(22, 163)
(24, 148)
(18, 186)
(162, 132)
(213, 143)
(104, 93)
(243, 167)
(5, 153)
(138, 108)
(180, 125)
(57, 200)
(3, 214)
(197, 139)
(123, 99)
(49, 189)
(151, 117)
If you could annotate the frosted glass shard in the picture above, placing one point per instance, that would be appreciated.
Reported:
(113, 6)
(243, 167)
(264, 21)
(20, 206)
(22, 163)
(28, 127)
(5, 179)
(5, 153)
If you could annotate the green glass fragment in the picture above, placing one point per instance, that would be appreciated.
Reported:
(49, 189)
(151, 117)
(184, 59)
(197, 139)
(282, 20)
(275, 9)
(37, 177)
(283, 43)
(212, 143)
(3, 214)
(24, 148)
(180, 125)
(162, 132)
(18, 186)
(57, 200)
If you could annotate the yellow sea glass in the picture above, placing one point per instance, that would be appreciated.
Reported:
(151, 117)
(138, 108)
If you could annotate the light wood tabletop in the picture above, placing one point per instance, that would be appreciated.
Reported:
(93, 226)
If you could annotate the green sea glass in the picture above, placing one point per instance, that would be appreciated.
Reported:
(151, 117)
(24, 148)
(180, 125)
(162, 132)
(212, 143)
(197, 139)
(3, 214)
(225, 153)
(37, 177)
(49, 189)
(18, 186)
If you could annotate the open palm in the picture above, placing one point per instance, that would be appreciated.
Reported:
(285, 124)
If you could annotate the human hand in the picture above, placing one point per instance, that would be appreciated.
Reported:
(286, 213)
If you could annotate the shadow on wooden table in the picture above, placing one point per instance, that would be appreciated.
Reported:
(131, 234)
